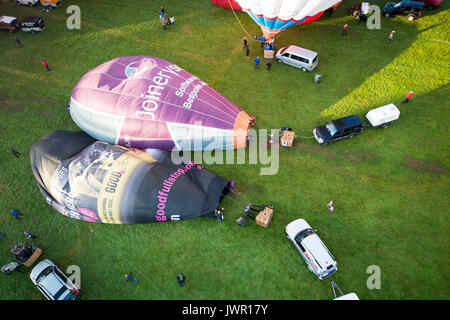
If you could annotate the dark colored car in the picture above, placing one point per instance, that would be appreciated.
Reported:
(431, 4)
(338, 129)
(10, 24)
(411, 9)
(32, 24)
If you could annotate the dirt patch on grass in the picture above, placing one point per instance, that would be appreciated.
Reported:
(355, 156)
(10, 106)
(186, 29)
(16, 105)
(430, 166)
(250, 188)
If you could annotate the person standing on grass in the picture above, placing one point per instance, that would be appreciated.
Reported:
(245, 42)
(247, 52)
(16, 213)
(181, 279)
(29, 235)
(391, 36)
(408, 96)
(263, 41)
(344, 29)
(164, 22)
(13, 151)
(171, 20)
(257, 61)
(46, 65)
(18, 42)
(129, 277)
(269, 64)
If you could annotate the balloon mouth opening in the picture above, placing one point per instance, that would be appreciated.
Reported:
(229, 187)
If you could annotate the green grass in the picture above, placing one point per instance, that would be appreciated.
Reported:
(390, 187)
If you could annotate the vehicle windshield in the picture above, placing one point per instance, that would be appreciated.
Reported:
(303, 234)
(283, 50)
(331, 128)
(44, 273)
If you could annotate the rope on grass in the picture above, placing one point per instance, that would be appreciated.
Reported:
(129, 262)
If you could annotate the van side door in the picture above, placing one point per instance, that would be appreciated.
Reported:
(286, 58)
(297, 61)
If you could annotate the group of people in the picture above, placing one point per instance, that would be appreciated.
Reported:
(165, 22)
(269, 46)
(27, 252)
(181, 278)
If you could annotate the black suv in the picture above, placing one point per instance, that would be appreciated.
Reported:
(412, 9)
(338, 129)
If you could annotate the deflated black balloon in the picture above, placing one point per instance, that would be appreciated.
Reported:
(95, 181)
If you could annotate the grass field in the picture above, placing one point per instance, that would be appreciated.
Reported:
(390, 187)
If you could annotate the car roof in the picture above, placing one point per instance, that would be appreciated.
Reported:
(36, 271)
(301, 51)
(347, 121)
(7, 19)
(314, 245)
(30, 19)
(54, 286)
(412, 3)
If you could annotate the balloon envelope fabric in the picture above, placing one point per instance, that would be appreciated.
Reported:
(147, 102)
(95, 181)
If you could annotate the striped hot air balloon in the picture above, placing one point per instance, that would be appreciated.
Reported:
(274, 16)
(147, 102)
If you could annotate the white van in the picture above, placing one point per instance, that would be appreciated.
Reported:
(30, 3)
(304, 59)
(317, 257)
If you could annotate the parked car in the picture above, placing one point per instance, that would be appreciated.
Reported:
(30, 3)
(431, 4)
(52, 282)
(304, 59)
(411, 9)
(32, 24)
(8, 23)
(316, 255)
(338, 129)
(51, 3)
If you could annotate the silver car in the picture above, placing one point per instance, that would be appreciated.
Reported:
(317, 257)
(52, 282)
(304, 59)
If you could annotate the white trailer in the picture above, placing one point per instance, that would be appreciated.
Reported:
(383, 116)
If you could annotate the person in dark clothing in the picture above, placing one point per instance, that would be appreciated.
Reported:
(164, 23)
(248, 52)
(219, 214)
(181, 279)
(13, 151)
(18, 42)
(242, 221)
(16, 213)
(129, 277)
(245, 42)
(269, 64)
(29, 235)
(344, 29)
